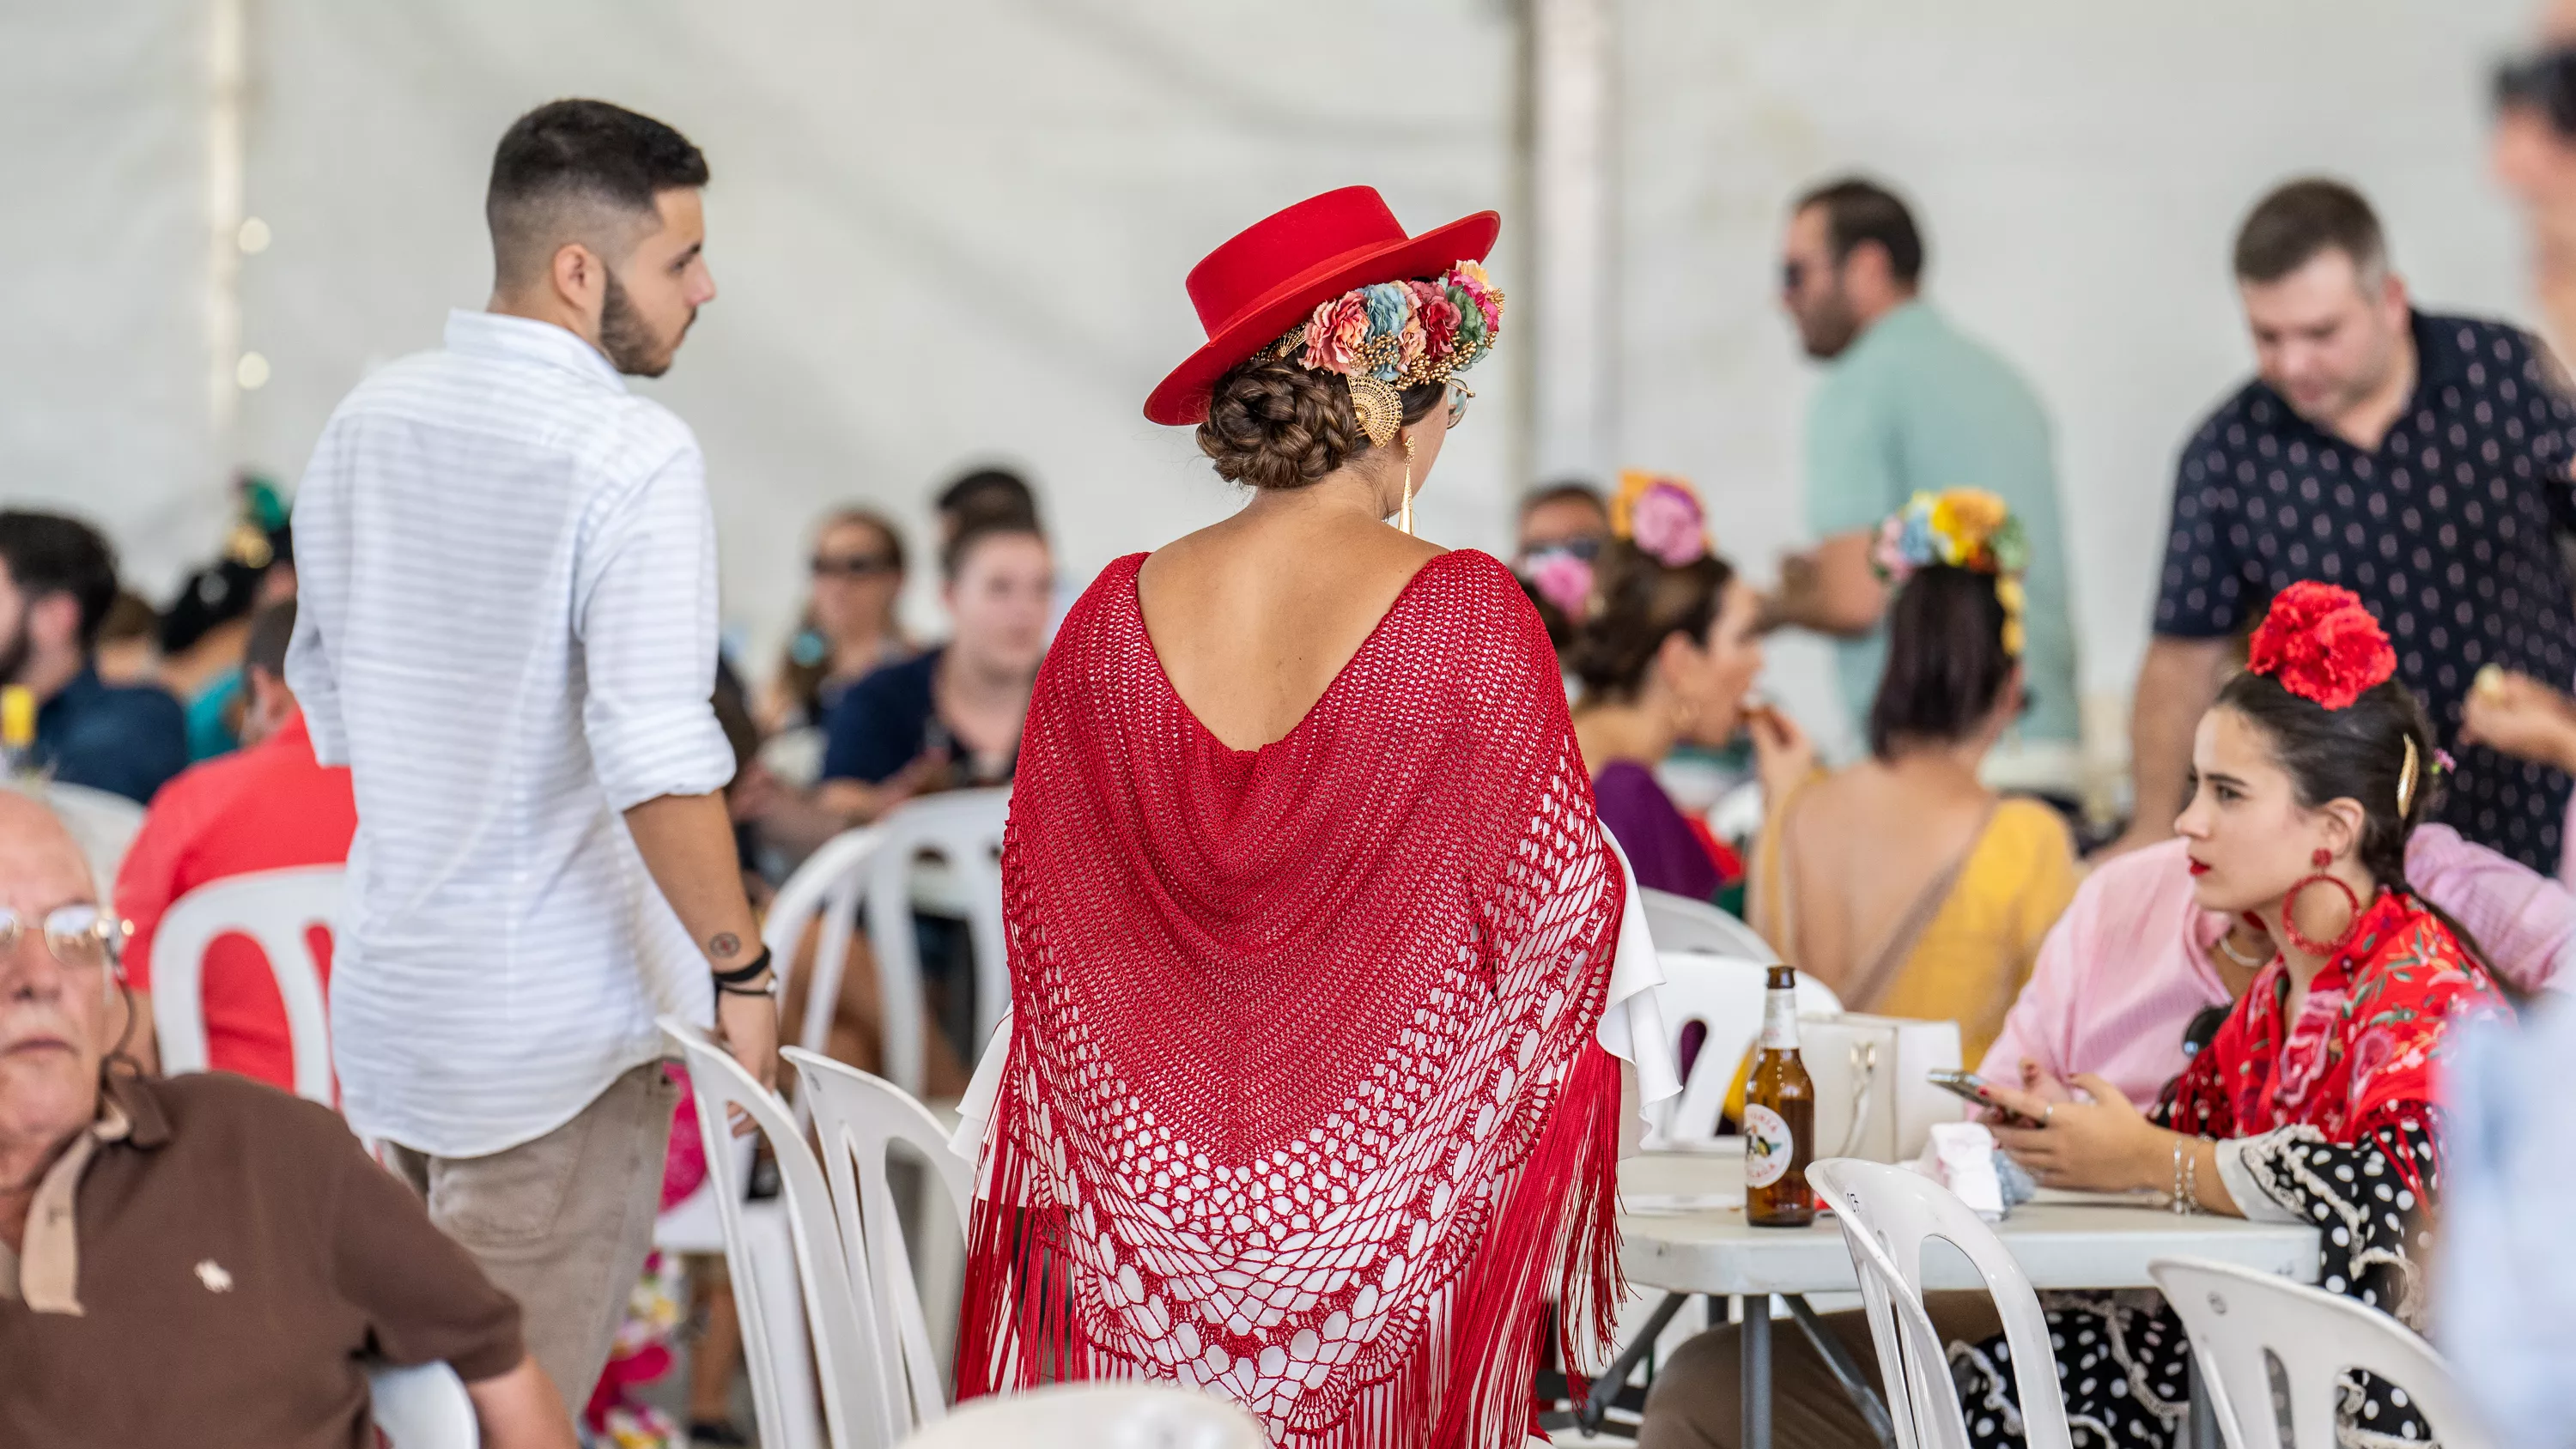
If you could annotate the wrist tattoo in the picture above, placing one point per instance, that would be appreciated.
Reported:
(724, 946)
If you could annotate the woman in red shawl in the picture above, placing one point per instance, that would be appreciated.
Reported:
(2314, 1102)
(1308, 1096)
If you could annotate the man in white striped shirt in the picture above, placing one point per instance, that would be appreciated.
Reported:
(508, 632)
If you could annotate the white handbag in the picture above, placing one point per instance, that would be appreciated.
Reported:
(1874, 1099)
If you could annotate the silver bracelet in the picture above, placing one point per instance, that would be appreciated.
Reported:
(2175, 1199)
(2191, 1179)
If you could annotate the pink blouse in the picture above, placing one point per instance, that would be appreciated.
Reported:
(2123, 972)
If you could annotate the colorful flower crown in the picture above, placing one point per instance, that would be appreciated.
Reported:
(2322, 645)
(1960, 528)
(1388, 336)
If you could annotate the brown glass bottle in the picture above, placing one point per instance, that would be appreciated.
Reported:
(1779, 1116)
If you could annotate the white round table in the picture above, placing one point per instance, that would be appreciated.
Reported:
(1682, 1229)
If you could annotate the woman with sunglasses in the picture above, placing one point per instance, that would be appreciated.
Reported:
(849, 628)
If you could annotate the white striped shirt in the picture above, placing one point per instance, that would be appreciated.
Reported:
(507, 629)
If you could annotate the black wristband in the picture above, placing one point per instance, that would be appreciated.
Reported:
(740, 974)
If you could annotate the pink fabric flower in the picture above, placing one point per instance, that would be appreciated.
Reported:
(1335, 332)
(1439, 318)
(1665, 522)
(1564, 581)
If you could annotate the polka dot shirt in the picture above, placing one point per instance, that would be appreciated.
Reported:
(2448, 531)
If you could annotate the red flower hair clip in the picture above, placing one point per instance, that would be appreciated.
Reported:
(2322, 645)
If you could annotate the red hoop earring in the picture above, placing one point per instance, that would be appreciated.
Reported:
(2290, 907)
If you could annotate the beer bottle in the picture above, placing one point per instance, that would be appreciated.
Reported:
(1779, 1116)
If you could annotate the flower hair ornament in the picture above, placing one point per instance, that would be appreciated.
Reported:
(2321, 644)
(1960, 528)
(1661, 515)
(1656, 513)
(1388, 336)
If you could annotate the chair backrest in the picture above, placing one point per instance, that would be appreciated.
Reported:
(858, 1118)
(1097, 1416)
(2269, 1346)
(277, 909)
(857, 1405)
(873, 867)
(1679, 923)
(1724, 993)
(1887, 1215)
(423, 1407)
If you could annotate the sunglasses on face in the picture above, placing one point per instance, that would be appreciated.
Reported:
(81, 937)
(851, 566)
(1793, 276)
(2544, 82)
(1459, 395)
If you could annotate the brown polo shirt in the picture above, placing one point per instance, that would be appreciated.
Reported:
(214, 1263)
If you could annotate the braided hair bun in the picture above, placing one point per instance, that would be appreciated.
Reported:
(1278, 424)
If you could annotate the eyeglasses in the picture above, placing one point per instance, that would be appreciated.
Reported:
(80, 936)
(2545, 82)
(851, 566)
(1459, 396)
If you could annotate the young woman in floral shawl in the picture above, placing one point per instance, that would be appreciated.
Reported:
(1319, 956)
(2314, 1102)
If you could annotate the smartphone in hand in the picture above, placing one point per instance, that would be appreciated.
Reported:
(1976, 1089)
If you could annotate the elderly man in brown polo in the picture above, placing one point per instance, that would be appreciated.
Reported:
(204, 1260)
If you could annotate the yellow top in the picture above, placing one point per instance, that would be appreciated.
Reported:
(1969, 960)
(17, 716)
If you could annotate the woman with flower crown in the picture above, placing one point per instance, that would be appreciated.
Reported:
(2315, 1101)
(1903, 882)
(1657, 636)
(1322, 968)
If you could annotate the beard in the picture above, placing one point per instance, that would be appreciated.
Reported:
(1829, 326)
(628, 339)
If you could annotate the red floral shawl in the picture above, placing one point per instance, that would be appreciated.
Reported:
(1302, 1102)
(2360, 1057)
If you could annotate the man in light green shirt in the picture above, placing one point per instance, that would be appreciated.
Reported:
(1909, 402)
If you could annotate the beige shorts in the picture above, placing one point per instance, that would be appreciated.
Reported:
(562, 1223)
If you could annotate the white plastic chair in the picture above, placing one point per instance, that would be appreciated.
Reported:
(2267, 1346)
(1097, 1416)
(859, 1117)
(423, 1407)
(1724, 993)
(275, 908)
(1887, 1214)
(856, 1406)
(1679, 923)
(873, 866)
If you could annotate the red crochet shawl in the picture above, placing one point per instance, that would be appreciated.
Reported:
(1302, 1103)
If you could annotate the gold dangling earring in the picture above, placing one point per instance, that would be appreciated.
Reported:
(1404, 515)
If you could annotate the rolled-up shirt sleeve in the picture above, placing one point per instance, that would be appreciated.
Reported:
(646, 617)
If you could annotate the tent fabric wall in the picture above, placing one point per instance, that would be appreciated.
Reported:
(103, 366)
(942, 234)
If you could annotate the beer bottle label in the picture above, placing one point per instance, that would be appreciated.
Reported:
(1768, 1147)
(1780, 1021)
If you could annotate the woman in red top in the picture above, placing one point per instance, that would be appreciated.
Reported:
(1312, 927)
(2314, 1102)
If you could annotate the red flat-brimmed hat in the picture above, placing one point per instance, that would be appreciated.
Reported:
(1281, 268)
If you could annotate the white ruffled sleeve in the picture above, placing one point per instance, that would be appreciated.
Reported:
(1632, 1020)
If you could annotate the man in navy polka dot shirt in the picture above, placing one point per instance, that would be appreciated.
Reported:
(2421, 461)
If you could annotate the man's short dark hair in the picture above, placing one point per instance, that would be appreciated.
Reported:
(48, 554)
(1858, 211)
(2289, 228)
(989, 495)
(1564, 490)
(566, 166)
(271, 630)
